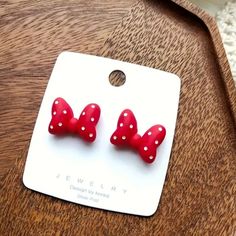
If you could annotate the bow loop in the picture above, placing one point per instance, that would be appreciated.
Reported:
(87, 122)
(126, 129)
(151, 139)
(61, 116)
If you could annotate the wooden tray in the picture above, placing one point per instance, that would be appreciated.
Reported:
(199, 192)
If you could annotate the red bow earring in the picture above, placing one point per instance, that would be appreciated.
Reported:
(126, 135)
(64, 122)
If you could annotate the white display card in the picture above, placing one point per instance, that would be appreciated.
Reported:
(99, 174)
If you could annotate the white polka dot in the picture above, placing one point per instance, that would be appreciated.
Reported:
(151, 157)
(131, 126)
(83, 114)
(92, 119)
(60, 124)
(160, 129)
(83, 128)
(121, 124)
(125, 114)
(65, 112)
(114, 137)
(93, 106)
(145, 148)
(56, 102)
(54, 113)
(156, 142)
(149, 133)
(51, 126)
(124, 137)
(91, 135)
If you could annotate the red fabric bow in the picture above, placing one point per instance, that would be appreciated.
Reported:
(126, 135)
(63, 121)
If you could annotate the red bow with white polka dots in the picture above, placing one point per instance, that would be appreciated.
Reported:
(63, 121)
(126, 135)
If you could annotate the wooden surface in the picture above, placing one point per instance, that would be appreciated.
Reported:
(199, 192)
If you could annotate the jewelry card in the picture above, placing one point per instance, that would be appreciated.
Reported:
(98, 174)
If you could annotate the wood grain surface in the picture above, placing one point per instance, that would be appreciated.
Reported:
(199, 192)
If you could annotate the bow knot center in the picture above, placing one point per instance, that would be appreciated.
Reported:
(72, 125)
(135, 141)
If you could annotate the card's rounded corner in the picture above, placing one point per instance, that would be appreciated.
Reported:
(63, 54)
(177, 78)
(151, 212)
(25, 183)
(179, 81)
